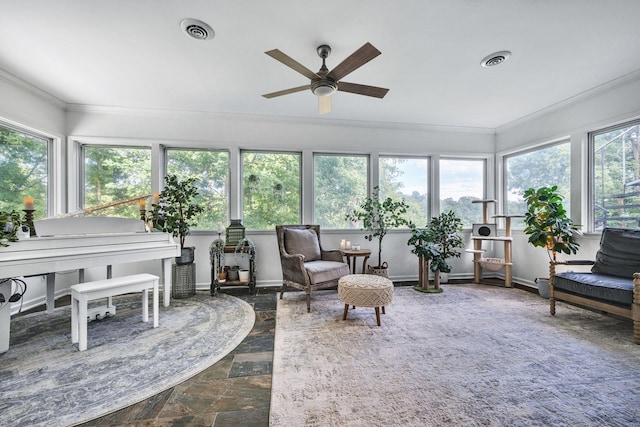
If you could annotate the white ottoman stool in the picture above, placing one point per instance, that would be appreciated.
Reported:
(365, 290)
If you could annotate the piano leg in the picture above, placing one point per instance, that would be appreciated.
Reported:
(51, 292)
(166, 280)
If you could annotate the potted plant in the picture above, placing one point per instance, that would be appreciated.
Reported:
(175, 211)
(433, 245)
(548, 226)
(378, 217)
(10, 222)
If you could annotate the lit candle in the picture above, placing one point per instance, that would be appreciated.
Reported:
(156, 198)
(142, 204)
(342, 244)
(28, 203)
(348, 245)
(219, 227)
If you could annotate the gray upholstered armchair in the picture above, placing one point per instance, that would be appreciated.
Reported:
(305, 265)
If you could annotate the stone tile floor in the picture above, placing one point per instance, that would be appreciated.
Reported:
(236, 391)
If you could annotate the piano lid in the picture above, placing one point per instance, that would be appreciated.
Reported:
(87, 225)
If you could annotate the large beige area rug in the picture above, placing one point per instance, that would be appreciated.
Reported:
(45, 381)
(474, 355)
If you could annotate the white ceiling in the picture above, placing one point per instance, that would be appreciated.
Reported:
(133, 54)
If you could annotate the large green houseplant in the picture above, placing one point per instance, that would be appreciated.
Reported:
(434, 245)
(547, 223)
(549, 227)
(378, 216)
(175, 211)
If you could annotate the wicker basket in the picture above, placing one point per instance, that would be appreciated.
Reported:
(381, 270)
(492, 264)
(183, 280)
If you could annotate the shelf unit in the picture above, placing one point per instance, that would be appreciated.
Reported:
(507, 262)
(215, 283)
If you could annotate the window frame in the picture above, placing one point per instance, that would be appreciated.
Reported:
(241, 189)
(48, 140)
(369, 189)
(591, 172)
(530, 149)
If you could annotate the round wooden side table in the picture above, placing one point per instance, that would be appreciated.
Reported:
(352, 254)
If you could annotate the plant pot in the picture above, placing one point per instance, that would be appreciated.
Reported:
(232, 274)
(543, 287)
(379, 270)
(244, 276)
(186, 256)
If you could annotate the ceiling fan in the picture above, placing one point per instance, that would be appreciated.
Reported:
(325, 83)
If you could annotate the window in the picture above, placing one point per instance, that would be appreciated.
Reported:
(24, 171)
(340, 185)
(616, 177)
(461, 182)
(542, 167)
(113, 174)
(407, 178)
(212, 169)
(271, 189)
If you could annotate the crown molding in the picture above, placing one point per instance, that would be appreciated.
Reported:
(583, 96)
(33, 90)
(103, 109)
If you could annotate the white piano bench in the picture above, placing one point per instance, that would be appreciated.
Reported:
(82, 293)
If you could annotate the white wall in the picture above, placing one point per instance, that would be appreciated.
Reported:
(30, 108)
(270, 133)
(617, 102)
(606, 106)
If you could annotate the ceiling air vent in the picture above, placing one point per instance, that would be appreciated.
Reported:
(197, 29)
(495, 58)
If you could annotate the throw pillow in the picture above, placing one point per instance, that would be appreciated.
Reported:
(302, 241)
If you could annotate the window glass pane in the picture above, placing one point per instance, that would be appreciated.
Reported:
(616, 177)
(23, 170)
(270, 189)
(408, 179)
(212, 169)
(543, 167)
(340, 185)
(461, 182)
(114, 174)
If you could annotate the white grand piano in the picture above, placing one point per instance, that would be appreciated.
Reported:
(78, 243)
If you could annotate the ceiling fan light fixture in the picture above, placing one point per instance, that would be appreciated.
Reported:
(324, 87)
(496, 58)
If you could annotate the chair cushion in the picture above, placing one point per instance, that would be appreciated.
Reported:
(302, 241)
(603, 287)
(619, 253)
(324, 271)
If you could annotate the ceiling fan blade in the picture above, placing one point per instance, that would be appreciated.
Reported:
(287, 91)
(357, 59)
(292, 63)
(324, 104)
(376, 92)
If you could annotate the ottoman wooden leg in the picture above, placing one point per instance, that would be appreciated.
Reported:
(383, 310)
(346, 309)
(378, 315)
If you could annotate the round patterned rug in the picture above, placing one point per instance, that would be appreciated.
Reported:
(45, 380)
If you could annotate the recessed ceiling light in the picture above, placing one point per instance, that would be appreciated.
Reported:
(197, 29)
(495, 58)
